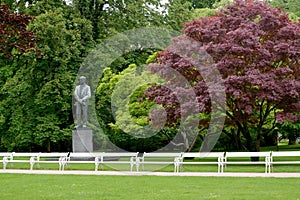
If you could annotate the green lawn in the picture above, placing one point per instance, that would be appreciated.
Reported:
(18, 186)
(31, 187)
(282, 147)
(48, 187)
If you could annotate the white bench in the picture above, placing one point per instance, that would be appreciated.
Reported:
(219, 157)
(289, 154)
(33, 158)
(11, 158)
(79, 158)
(52, 158)
(160, 158)
(4, 154)
(4, 157)
(101, 158)
(264, 155)
(130, 158)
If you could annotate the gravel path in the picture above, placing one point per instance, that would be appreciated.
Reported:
(126, 173)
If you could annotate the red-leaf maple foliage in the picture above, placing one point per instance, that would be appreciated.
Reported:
(13, 32)
(256, 49)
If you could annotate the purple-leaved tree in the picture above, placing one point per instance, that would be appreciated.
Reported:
(256, 49)
(13, 32)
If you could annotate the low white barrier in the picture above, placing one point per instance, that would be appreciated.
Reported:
(293, 158)
(264, 155)
(160, 158)
(177, 159)
(204, 159)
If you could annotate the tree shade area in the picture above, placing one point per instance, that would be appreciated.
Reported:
(254, 47)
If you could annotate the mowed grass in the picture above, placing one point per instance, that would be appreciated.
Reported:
(25, 186)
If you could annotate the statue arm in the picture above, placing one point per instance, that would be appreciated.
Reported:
(76, 95)
(88, 94)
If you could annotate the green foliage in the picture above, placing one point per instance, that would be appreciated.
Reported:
(203, 12)
(37, 95)
(177, 14)
(111, 17)
(289, 130)
(152, 58)
(290, 6)
(36, 86)
(196, 4)
(126, 124)
(222, 4)
(210, 9)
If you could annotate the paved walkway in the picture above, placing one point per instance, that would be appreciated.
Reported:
(126, 173)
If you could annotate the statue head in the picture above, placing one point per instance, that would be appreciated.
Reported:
(82, 80)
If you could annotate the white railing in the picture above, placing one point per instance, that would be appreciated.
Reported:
(177, 159)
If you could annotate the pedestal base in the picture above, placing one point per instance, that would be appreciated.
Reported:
(82, 140)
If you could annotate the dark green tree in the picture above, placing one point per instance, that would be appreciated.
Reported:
(201, 4)
(37, 98)
(290, 6)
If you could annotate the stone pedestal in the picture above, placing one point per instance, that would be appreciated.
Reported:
(82, 140)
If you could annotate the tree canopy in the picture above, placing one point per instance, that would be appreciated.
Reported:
(43, 44)
(256, 50)
(41, 52)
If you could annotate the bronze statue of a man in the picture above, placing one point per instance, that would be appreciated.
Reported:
(82, 94)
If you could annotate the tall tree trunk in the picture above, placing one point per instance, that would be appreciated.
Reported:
(238, 141)
(48, 146)
(249, 139)
(250, 144)
(257, 142)
(257, 145)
